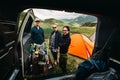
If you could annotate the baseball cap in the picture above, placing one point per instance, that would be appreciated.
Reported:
(37, 20)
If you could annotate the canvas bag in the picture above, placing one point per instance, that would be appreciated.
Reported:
(97, 63)
(110, 74)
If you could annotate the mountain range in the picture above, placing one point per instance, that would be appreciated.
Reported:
(81, 19)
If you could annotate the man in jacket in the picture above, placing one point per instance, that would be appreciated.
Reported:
(37, 39)
(37, 33)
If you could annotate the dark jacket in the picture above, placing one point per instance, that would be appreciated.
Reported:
(57, 38)
(64, 43)
(37, 35)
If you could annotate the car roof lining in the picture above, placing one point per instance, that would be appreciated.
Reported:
(85, 6)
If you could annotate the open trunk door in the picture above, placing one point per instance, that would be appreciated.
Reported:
(23, 36)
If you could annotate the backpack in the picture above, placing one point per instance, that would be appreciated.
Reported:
(97, 66)
(110, 74)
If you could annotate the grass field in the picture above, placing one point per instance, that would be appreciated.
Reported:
(73, 61)
(88, 31)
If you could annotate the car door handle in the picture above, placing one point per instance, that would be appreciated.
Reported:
(6, 53)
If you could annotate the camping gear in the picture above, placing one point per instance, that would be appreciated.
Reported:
(80, 46)
(98, 62)
(110, 74)
(39, 58)
(88, 67)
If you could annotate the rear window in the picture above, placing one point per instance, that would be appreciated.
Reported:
(82, 26)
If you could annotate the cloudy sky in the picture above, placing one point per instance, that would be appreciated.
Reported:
(45, 14)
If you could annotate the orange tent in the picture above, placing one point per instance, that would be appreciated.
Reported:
(80, 46)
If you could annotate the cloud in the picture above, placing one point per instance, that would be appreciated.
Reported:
(45, 14)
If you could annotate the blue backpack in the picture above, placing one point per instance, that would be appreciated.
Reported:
(96, 65)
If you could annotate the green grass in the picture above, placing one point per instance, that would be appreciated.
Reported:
(47, 32)
(73, 61)
(88, 31)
